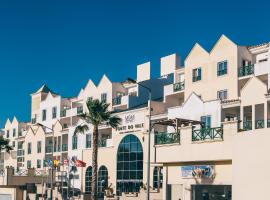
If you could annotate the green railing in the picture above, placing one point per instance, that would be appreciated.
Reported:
(102, 142)
(207, 134)
(196, 78)
(222, 72)
(64, 147)
(247, 125)
(259, 124)
(245, 70)
(116, 100)
(48, 149)
(268, 123)
(166, 138)
(178, 86)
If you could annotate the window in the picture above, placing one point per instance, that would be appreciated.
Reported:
(206, 120)
(54, 112)
(157, 177)
(13, 144)
(88, 141)
(74, 142)
(14, 132)
(222, 68)
(44, 112)
(90, 99)
(29, 148)
(28, 164)
(88, 180)
(7, 133)
(103, 97)
(222, 94)
(129, 165)
(102, 181)
(197, 74)
(38, 163)
(39, 147)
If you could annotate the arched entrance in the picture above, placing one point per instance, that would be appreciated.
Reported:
(129, 165)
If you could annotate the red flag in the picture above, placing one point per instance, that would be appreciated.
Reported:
(80, 163)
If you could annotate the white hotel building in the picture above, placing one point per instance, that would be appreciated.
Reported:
(210, 129)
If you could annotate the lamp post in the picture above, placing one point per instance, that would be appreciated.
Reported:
(149, 133)
(43, 126)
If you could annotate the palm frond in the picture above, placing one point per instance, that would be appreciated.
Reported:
(114, 121)
(81, 129)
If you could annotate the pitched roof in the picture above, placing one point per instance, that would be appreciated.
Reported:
(45, 89)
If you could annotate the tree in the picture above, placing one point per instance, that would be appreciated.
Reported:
(4, 144)
(98, 114)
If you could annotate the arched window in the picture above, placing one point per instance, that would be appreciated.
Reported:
(157, 177)
(88, 180)
(102, 181)
(129, 165)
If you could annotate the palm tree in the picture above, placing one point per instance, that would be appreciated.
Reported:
(4, 144)
(98, 114)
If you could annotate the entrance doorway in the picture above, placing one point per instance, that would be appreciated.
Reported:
(211, 192)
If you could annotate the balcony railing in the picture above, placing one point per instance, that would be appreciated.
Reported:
(207, 134)
(102, 142)
(116, 100)
(64, 147)
(48, 149)
(259, 124)
(245, 70)
(166, 138)
(268, 123)
(222, 72)
(196, 78)
(178, 86)
(247, 125)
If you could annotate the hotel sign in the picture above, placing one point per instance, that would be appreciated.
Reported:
(197, 171)
(131, 123)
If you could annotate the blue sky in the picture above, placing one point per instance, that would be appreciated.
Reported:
(64, 43)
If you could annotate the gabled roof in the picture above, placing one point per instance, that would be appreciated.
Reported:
(45, 89)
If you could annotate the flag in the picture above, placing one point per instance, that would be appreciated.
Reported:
(80, 163)
(56, 163)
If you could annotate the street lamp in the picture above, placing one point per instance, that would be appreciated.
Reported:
(43, 126)
(149, 133)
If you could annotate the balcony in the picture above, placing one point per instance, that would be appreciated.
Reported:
(178, 86)
(196, 78)
(104, 142)
(116, 100)
(247, 125)
(222, 72)
(166, 138)
(259, 124)
(206, 134)
(49, 149)
(245, 70)
(64, 147)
